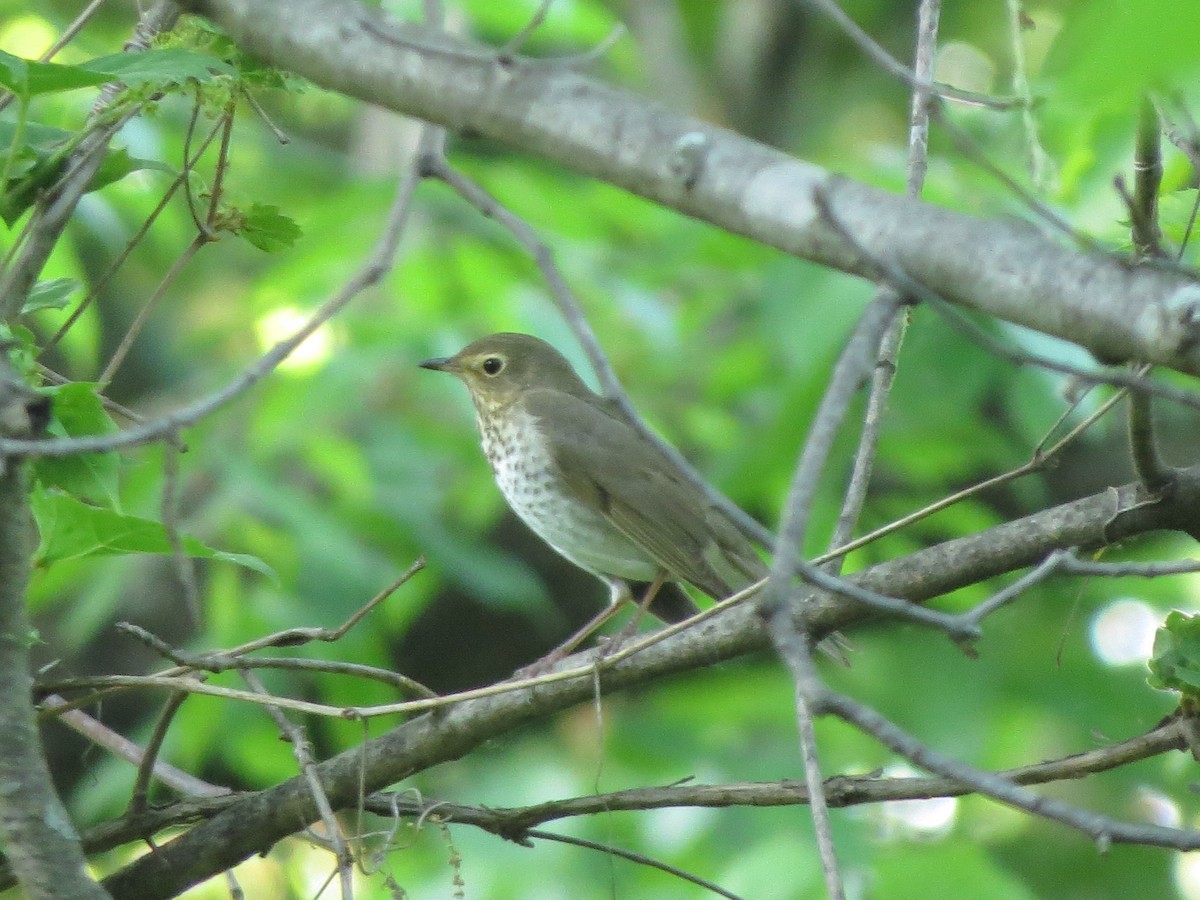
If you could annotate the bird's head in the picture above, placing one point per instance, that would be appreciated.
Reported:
(499, 368)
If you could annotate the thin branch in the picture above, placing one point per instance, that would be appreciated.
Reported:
(1041, 166)
(1104, 830)
(898, 70)
(1147, 179)
(185, 567)
(1038, 460)
(144, 228)
(639, 858)
(1066, 562)
(793, 648)
(841, 790)
(222, 662)
(135, 328)
(856, 359)
(148, 766)
(123, 748)
(889, 347)
(517, 41)
(1147, 243)
(289, 637)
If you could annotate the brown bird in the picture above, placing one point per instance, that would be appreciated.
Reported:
(591, 486)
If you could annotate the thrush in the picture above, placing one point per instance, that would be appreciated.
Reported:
(591, 485)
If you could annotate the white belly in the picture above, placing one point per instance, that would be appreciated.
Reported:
(525, 474)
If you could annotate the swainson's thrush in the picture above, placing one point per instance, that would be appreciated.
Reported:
(593, 488)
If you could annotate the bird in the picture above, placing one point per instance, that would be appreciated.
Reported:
(592, 486)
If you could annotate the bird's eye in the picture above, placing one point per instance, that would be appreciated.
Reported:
(492, 365)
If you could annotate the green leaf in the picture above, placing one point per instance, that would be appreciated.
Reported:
(118, 163)
(51, 294)
(71, 529)
(1175, 663)
(42, 138)
(27, 78)
(22, 349)
(157, 66)
(39, 169)
(268, 229)
(78, 411)
(1111, 51)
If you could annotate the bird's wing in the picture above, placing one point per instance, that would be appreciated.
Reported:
(604, 461)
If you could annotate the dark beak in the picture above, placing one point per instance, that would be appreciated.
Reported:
(438, 364)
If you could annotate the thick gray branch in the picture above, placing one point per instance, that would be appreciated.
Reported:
(1116, 310)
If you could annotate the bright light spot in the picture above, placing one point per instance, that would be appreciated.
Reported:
(1123, 632)
(930, 818)
(675, 828)
(27, 36)
(280, 324)
(1187, 875)
(1155, 806)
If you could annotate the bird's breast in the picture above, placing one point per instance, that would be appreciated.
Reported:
(528, 476)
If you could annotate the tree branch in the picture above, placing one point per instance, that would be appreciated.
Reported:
(1008, 270)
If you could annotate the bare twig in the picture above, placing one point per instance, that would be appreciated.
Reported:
(98, 285)
(856, 359)
(517, 41)
(221, 662)
(896, 69)
(1147, 179)
(889, 346)
(1041, 166)
(1065, 561)
(1147, 243)
(1038, 460)
(185, 568)
(148, 766)
(288, 637)
(639, 858)
(302, 750)
(1102, 829)
(123, 748)
(135, 327)
(841, 790)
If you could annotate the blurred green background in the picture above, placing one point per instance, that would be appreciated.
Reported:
(349, 462)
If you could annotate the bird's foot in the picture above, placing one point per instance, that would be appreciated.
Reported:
(542, 666)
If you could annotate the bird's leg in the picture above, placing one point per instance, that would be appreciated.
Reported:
(642, 606)
(618, 596)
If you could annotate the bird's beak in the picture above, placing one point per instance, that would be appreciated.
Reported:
(439, 364)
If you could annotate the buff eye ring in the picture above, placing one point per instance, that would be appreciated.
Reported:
(493, 365)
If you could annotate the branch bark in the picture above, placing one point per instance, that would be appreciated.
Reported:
(1113, 308)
